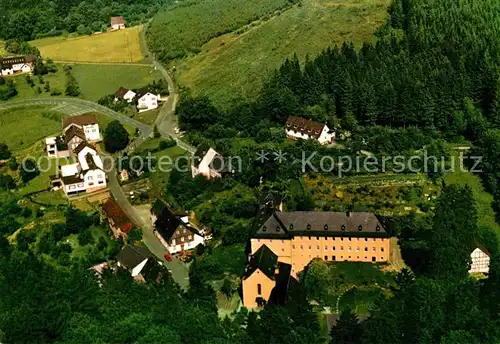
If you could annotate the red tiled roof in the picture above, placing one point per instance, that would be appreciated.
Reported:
(117, 20)
(113, 211)
(305, 126)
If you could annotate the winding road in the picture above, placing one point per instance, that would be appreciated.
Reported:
(166, 123)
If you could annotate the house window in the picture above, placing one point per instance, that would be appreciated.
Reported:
(91, 184)
(349, 239)
(373, 249)
(293, 246)
(190, 237)
(326, 257)
(366, 239)
(333, 248)
(374, 259)
(326, 248)
(182, 239)
(301, 247)
(333, 257)
(259, 289)
(309, 246)
(317, 247)
(349, 249)
(357, 249)
(341, 248)
(101, 182)
(317, 238)
(366, 249)
(382, 249)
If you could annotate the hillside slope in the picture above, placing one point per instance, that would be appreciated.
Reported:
(232, 67)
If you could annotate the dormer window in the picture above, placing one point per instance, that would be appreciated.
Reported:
(342, 228)
(291, 226)
(277, 228)
(377, 228)
(360, 228)
(308, 227)
(264, 228)
(325, 227)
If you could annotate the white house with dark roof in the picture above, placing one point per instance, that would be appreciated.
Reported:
(173, 230)
(207, 162)
(125, 94)
(141, 263)
(82, 125)
(117, 23)
(146, 100)
(86, 175)
(17, 65)
(306, 129)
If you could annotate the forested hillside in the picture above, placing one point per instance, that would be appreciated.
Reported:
(27, 20)
(181, 30)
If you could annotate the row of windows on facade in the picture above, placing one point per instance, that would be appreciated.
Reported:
(190, 237)
(325, 227)
(349, 249)
(334, 258)
(332, 238)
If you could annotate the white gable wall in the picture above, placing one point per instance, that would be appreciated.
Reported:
(480, 262)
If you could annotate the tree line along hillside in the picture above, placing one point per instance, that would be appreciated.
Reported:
(183, 29)
(28, 20)
(435, 67)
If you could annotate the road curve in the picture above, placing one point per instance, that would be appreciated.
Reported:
(84, 104)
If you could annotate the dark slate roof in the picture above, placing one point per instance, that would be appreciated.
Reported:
(153, 271)
(264, 260)
(305, 126)
(68, 180)
(8, 62)
(311, 223)
(80, 120)
(122, 91)
(130, 256)
(141, 92)
(287, 288)
(90, 162)
(81, 146)
(269, 202)
(72, 132)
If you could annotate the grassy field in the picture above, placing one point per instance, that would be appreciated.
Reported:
(486, 215)
(95, 80)
(2, 50)
(182, 30)
(233, 66)
(21, 127)
(148, 117)
(118, 46)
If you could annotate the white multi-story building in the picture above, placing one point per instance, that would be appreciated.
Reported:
(83, 123)
(86, 175)
(306, 129)
(173, 230)
(17, 64)
(480, 261)
(146, 100)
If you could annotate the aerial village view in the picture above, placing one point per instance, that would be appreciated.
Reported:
(254, 172)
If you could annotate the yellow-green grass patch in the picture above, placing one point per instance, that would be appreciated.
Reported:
(234, 66)
(117, 46)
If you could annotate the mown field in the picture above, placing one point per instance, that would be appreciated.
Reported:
(182, 30)
(118, 46)
(94, 80)
(21, 127)
(233, 66)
